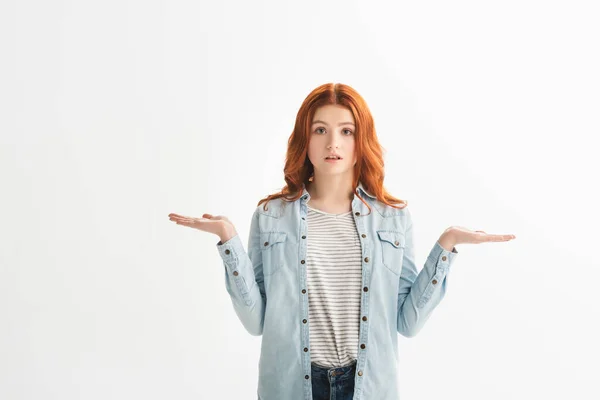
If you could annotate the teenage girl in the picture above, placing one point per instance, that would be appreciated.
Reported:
(330, 278)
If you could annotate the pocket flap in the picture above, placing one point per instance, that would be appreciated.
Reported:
(395, 238)
(268, 239)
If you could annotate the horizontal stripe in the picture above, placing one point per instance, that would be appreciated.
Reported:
(334, 284)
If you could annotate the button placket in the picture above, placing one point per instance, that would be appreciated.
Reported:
(367, 270)
(303, 297)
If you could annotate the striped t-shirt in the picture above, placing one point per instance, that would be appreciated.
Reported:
(334, 279)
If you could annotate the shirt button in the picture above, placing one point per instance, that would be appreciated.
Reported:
(362, 346)
(235, 273)
(302, 262)
(266, 243)
(366, 259)
(365, 318)
(366, 289)
(304, 321)
(359, 373)
(303, 291)
(305, 349)
(357, 213)
(303, 237)
(227, 251)
(306, 376)
(302, 217)
(397, 243)
(363, 235)
(444, 258)
(434, 281)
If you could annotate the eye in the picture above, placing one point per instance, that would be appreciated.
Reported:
(345, 130)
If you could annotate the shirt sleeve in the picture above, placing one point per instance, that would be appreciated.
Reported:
(420, 292)
(244, 277)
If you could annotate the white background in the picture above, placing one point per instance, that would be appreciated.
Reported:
(114, 114)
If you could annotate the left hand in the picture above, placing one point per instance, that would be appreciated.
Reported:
(459, 234)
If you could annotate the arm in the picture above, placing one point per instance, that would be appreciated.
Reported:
(419, 293)
(244, 278)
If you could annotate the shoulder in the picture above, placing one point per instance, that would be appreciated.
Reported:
(387, 211)
(274, 208)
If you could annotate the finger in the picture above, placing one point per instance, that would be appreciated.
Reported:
(189, 220)
(499, 238)
(195, 221)
(178, 217)
(183, 219)
(506, 237)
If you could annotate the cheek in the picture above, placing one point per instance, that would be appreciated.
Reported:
(352, 148)
(314, 146)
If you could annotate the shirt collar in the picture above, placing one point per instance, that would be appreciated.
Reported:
(306, 195)
(361, 187)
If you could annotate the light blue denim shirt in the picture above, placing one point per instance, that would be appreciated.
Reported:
(267, 286)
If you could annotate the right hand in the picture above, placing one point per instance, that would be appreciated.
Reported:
(219, 225)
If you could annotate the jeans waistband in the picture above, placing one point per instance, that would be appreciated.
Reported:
(346, 371)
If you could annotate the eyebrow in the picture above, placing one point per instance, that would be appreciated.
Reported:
(323, 122)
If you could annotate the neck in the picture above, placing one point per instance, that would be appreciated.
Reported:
(331, 191)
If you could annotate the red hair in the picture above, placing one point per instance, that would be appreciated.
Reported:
(369, 166)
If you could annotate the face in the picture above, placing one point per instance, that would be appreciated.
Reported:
(332, 131)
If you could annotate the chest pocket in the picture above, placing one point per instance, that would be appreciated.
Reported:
(272, 245)
(392, 249)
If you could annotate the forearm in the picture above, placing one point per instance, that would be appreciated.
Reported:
(426, 291)
(241, 285)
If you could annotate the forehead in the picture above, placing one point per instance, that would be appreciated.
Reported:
(333, 113)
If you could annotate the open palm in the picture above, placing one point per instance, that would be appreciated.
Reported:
(461, 234)
(219, 224)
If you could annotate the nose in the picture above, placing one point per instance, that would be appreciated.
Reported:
(333, 141)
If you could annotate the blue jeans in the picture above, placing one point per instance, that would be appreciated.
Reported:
(333, 383)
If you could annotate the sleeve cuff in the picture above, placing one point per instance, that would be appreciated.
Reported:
(441, 257)
(231, 249)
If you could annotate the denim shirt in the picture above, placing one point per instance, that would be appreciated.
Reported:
(267, 286)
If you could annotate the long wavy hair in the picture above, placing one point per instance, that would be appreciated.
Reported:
(369, 168)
